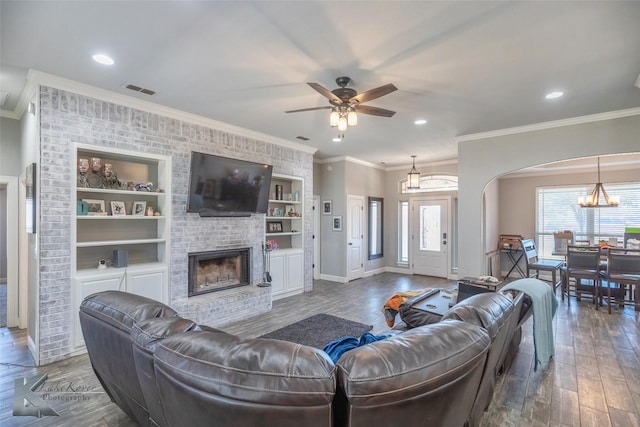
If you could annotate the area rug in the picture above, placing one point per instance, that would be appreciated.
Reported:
(319, 330)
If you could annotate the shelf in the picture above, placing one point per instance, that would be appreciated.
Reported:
(119, 217)
(270, 218)
(285, 233)
(92, 272)
(98, 243)
(286, 202)
(113, 191)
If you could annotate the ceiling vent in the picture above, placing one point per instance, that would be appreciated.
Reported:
(140, 89)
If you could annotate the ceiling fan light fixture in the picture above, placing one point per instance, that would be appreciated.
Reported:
(342, 123)
(413, 177)
(352, 118)
(334, 117)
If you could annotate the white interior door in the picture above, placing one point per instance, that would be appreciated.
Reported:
(430, 237)
(355, 260)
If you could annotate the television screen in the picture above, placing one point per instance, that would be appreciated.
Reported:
(223, 185)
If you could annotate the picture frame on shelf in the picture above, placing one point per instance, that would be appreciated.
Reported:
(337, 223)
(96, 207)
(138, 208)
(274, 227)
(118, 209)
(326, 207)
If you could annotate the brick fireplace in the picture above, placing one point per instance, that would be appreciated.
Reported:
(218, 270)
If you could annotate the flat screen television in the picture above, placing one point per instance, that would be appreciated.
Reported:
(220, 186)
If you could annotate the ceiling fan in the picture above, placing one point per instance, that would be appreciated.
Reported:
(346, 103)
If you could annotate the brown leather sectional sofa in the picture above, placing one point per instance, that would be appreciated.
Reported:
(163, 370)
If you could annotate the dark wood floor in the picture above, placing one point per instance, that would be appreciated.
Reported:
(593, 380)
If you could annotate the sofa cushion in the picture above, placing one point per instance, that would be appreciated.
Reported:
(204, 376)
(106, 319)
(489, 310)
(122, 310)
(496, 314)
(146, 335)
(411, 379)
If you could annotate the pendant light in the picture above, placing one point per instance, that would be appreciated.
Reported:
(413, 177)
(593, 200)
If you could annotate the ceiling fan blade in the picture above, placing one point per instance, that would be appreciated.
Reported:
(326, 93)
(374, 111)
(374, 93)
(309, 109)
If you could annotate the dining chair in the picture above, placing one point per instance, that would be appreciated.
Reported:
(583, 263)
(537, 265)
(623, 268)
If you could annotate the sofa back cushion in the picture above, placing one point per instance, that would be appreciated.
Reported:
(426, 376)
(106, 319)
(497, 314)
(213, 377)
(146, 335)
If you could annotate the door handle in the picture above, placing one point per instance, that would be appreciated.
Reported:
(350, 243)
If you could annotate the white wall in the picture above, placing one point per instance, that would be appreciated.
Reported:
(482, 160)
(10, 155)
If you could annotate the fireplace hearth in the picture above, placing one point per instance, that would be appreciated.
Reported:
(218, 270)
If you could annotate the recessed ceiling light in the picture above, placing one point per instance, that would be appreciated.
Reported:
(420, 122)
(554, 95)
(103, 59)
(337, 139)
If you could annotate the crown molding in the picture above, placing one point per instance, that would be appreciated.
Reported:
(37, 78)
(348, 159)
(9, 114)
(424, 165)
(550, 125)
(380, 167)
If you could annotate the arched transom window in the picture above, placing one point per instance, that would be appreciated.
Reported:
(432, 183)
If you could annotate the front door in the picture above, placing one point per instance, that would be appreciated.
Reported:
(355, 260)
(430, 237)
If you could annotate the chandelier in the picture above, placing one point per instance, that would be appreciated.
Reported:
(594, 200)
(342, 117)
(413, 177)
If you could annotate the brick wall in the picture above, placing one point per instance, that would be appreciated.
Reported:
(66, 118)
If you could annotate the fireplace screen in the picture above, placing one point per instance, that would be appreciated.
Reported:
(218, 270)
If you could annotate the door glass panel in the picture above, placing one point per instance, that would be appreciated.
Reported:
(430, 227)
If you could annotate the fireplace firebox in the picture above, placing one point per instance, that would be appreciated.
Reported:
(217, 270)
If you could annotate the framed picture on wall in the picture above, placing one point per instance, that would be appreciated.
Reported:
(326, 207)
(337, 223)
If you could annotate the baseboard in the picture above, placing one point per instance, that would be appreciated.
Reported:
(374, 272)
(331, 278)
(401, 270)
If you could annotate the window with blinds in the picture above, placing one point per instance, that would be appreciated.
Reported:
(557, 209)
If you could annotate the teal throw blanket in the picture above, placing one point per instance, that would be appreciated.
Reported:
(544, 304)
